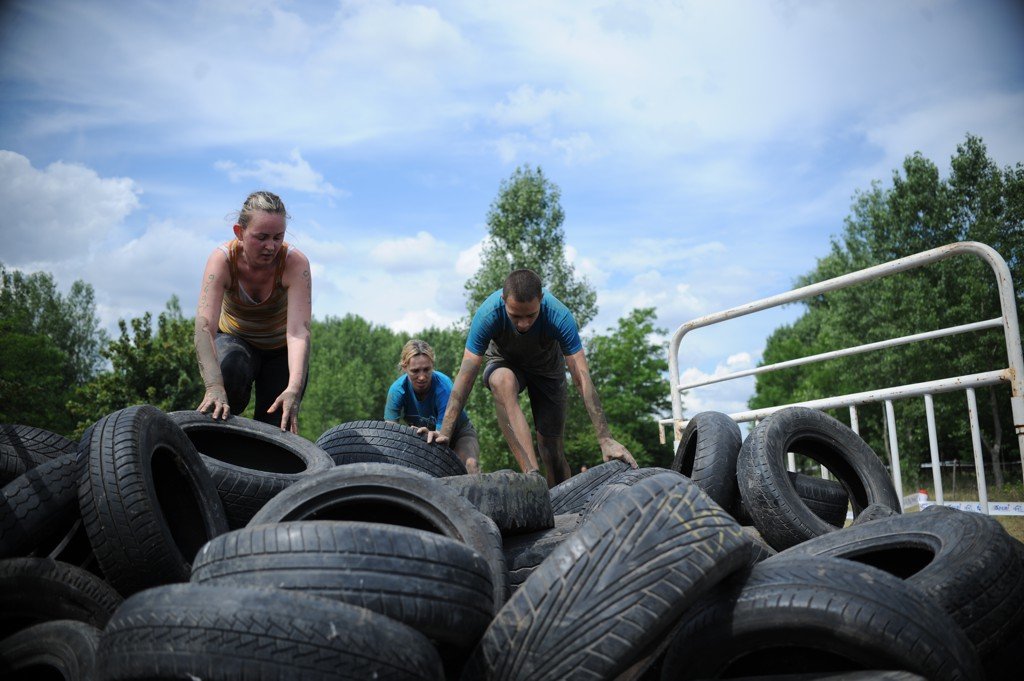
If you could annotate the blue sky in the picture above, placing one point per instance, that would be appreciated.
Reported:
(706, 151)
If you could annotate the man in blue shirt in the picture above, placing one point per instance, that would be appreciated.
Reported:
(528, 338)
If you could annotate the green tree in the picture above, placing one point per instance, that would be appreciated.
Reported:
(33, 389)
(351, 365)
(524, 226)
(628, 369)
(921, 210)
(49, 345)
(33, 305)
(146, 368)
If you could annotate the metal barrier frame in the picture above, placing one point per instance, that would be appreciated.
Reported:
(1012, 374)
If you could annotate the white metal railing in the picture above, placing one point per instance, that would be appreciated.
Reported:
(1013, 373)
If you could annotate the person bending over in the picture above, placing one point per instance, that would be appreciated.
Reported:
(252, 321)
(528, 338)
(420, 396)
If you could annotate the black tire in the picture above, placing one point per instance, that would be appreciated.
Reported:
(22, 448)
(38, 508)
(777, 511)
(873, 512)
(614, 485)
(612, 589)
(759, 550)
(524, 552)
(387, 442)
(393, 495)
(249, 461)
(147, 501)
(966, 562)
(64, 649)
(517, 502)
(436, 585)
(229, 633)
(572, 495)
(817, 615)
(826, 499)
(74, 548)
(707, 454)
(34, 590)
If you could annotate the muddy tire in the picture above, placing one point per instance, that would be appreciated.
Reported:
(38, 508)
(707, 453)
(34, 590)
(436, 585)
(781, 516)
(817, 614)
(22, 448)
(387, 442)
(59, 649)
(216, 633)
(517, 502)
(572, 495)
(965, 562)
(147, 500)
(611, 591)
(249, 461)
(393, 495)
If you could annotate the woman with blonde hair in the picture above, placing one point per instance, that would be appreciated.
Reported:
(420, 396)
(252, 322)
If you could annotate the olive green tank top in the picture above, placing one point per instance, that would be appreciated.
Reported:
(262, 324)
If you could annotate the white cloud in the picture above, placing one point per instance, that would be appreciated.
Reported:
(415, 321)
(421, 252)
(469, 260)
(525, 106)
(58, 212)
(729, 396)
(296, 174)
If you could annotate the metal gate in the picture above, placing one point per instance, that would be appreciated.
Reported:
(1012, 373)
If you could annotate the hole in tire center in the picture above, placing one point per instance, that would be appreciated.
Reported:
(36, 672)
(176, 497)
(899, 561)
(245, 452)
(786, 659)
(375, 511)
(827, 455)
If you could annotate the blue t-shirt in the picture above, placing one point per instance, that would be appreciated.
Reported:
(540, 350)
(429, 412)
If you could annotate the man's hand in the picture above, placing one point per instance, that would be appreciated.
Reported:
(288, 403)
(433, 436)
(217, 398)
(612, 449)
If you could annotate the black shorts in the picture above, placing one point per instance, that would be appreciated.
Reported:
(549, 397)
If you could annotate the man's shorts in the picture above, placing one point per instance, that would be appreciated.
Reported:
(466, 430)
(548, 396)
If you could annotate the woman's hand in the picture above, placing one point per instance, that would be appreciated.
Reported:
(217, 399)
(288, 403)
(433, 436)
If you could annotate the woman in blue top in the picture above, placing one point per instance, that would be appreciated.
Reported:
(420, 396)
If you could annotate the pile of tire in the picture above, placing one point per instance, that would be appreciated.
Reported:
(172, 546)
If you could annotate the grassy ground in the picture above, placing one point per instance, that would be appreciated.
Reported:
(966, 490)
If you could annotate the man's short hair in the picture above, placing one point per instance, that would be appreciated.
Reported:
(523, 285)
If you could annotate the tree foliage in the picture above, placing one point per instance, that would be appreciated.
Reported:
(147, 367)
(920, 211)
(524, 226)
(49, 344)
(628, 369)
